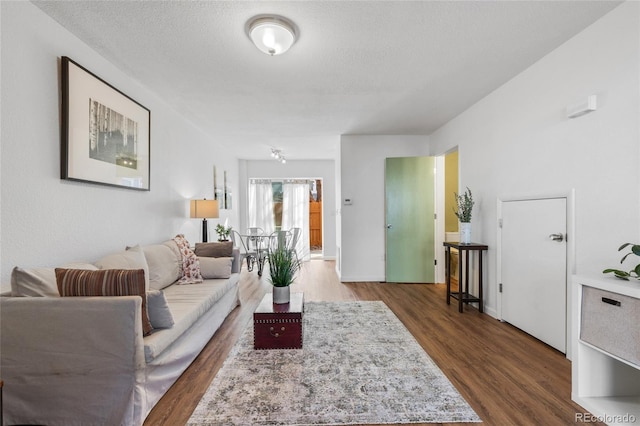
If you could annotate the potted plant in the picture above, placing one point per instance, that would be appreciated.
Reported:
(464, 206)
(223, 232)
(283, 267)
(635, 272)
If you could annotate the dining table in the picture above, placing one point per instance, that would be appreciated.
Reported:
(258, 245)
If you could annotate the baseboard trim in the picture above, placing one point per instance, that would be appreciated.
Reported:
(356, 279)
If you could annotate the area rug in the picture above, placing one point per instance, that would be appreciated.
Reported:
(358, 365)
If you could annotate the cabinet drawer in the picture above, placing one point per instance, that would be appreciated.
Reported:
(611, 322)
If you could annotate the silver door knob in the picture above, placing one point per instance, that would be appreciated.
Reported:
(389, 226)
(557, 237)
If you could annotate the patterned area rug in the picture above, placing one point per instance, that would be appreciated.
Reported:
(359, 364)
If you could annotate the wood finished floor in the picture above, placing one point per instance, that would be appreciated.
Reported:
(508, 377)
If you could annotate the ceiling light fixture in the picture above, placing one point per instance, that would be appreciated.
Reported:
(271, 34)
(277, 155)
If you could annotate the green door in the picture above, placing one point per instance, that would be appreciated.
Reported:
(410, 208)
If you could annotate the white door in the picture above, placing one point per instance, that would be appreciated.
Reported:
(534, 268)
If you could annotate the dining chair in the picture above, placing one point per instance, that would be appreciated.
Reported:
(245, 253)
(275, 240)
(255, 240)
(295, 236)
(280, 239)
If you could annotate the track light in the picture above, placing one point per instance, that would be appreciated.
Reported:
(277, 154)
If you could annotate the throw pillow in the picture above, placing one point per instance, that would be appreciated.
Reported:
(216, 267)
(190, 264)
(39, 282)
(164, 264)
(105, 282)
(219, 249)
(133, 258)
(159, 313)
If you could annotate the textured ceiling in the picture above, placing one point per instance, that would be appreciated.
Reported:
(359, 67)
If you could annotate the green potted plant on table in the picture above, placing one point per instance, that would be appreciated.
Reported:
(223, 232)
(283, 267)
(635, 272)
(464, 206)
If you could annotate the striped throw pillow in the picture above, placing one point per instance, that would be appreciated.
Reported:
(105, 282)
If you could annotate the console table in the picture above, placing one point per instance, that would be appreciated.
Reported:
(462, 294)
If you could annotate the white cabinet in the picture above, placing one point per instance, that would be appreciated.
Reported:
(605, 336)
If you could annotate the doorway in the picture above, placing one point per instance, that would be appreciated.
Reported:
(289, 204)
(534, 266)
(315, 218)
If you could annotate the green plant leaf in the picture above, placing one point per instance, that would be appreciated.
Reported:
(636, 249)
(624, 245)
(624, 257)
(618, 273)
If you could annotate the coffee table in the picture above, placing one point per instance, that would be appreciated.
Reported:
(278, 326)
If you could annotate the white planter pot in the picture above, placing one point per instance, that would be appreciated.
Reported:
(281, 295)
(465, 233)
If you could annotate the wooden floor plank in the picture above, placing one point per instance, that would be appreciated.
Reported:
(507, 376)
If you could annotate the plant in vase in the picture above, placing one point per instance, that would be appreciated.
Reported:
(223, 232)
(464, 206)
(283, 267)
(635, 272)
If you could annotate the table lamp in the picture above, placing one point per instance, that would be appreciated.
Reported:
(203, 209)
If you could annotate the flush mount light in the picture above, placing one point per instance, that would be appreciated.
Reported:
(271, 34)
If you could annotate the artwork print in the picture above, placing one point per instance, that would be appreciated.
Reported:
(112, 136)
(105, 133)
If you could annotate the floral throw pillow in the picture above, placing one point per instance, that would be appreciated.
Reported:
(190, 263)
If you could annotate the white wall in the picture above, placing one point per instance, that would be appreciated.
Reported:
(518, 141)
(46, 221)
(362, 162)
(311, 169)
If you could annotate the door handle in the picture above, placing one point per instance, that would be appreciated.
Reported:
(389, 226)
(556, 237)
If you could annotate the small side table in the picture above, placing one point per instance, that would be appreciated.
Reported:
(462, 294)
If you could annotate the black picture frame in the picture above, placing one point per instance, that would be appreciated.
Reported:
(105, 134)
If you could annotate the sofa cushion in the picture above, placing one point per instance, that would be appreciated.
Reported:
(188, 303)
(216, 267)
(39, 282)
(164, 264)
(158, 308)
(105, 282)
(214, 249)
(132, 258)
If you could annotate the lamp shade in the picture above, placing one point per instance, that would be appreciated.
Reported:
(273, 35)
(202, 209)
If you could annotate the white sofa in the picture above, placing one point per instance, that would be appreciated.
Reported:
(84, 360)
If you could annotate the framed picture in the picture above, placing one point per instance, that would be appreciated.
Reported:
(218, 193)
(227, 199)
(105, 133)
